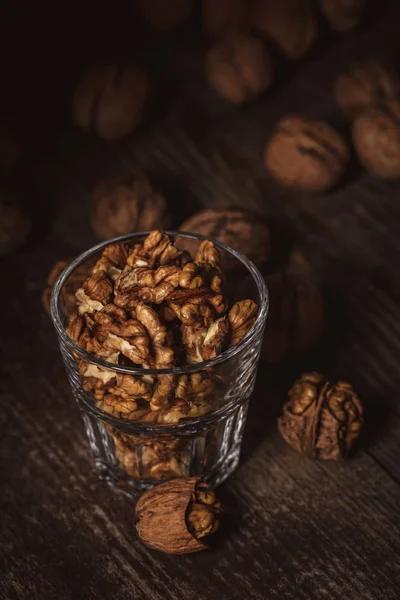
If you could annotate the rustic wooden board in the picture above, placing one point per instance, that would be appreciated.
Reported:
(292, 528)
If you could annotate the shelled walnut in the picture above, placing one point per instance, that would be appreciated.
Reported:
(110, 100)
(14, 224)
(162, 457)
(122, 205)
(342, 14)
(291, 24)
(165, 16)
(239, 68)
(241, 230)
(321, 419)
(376, 136)
(364, 84)
(154, 307)
(306, 154)
(296, 320)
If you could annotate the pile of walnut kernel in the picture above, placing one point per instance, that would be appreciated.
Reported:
(154, 307)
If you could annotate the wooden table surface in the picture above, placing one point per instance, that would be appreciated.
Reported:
(292, 528)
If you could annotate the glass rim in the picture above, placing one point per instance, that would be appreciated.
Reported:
(179, 370)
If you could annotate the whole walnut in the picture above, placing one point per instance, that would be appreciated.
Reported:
(291, 24)
(121, 205)
(225, 16)
(175, 516)
(239, 68)
(306, 154)
(242, 230)
(321, 419)
(110, 100)
(14, 224)
(296, 320)
(376, 136)
(342, 14)
(164, 15)
(10, 147)
(364, 84)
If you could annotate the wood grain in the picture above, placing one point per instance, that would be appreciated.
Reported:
(292, 528)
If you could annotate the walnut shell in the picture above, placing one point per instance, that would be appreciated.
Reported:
(239, 68)
(296, 319)
(224, 16)
(376, 136)
(321, 419)
(110, 101)
(165, 16)
(342, 14)
(122, 205)
(174, 516)
(306, 154)
(291, 24)
(242, 230)
(14, 224)
(364, 84)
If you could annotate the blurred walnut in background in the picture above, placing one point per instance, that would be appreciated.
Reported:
(342, 14)
(239, 68)
(376, 136)
(365, 83)
(224, 17)
(70, 287)
(110, 100)
(14, 224)
(306, 154)
(296, 319)
(291, 24)
(122, 205)
(10, 147)
(241, 230)
(165, 15)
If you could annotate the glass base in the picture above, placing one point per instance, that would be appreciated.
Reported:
(117, 479)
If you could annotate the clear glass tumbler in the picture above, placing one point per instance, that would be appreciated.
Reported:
(134, 455)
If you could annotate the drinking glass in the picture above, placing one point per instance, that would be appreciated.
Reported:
(134, 455)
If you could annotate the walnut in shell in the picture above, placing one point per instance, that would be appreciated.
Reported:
(365, 83)
(342, 14)
(163, 15)
(321, 419)
(296, 319)
(239, 68)
(14, 224)
(121, 205)
(175, 516)
(110, 101)
(376, 136)
(243, 231)
(291, 24)
(306, 154)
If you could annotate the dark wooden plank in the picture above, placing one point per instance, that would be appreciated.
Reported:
(293, 528)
